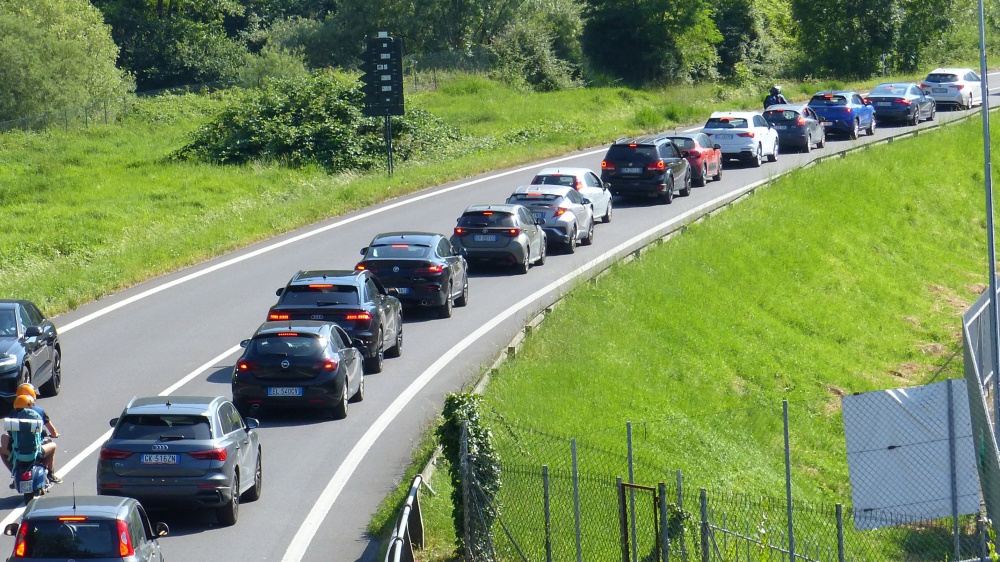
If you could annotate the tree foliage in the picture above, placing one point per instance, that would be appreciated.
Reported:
(55, 54)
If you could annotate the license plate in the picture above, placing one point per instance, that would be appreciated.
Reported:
(403, 290)
(158, 458)
(781, 127)
(24, 486)
(631, 170)
(539, 216)
(724, 137)
(939, 90)
(826, 123)
(484, 237)
(884, 103)
(284, 391)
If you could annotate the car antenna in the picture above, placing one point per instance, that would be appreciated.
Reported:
(74, 496)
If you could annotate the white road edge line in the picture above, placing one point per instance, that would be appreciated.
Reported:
(13, 515)
(232, 261)
(303, 537)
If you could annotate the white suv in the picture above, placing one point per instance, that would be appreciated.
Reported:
(959, 86)
(745, 135)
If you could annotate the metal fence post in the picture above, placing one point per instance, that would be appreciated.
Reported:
(953, 472)
(463, 453)
(981, 528)
(704, 526)
(664, 521)
(840, 533)
(788, 484)
(548, 513)
(680, 508)
(631, 491)
(576, 502)
(622, 518)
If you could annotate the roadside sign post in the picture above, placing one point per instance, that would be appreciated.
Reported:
(382, 83)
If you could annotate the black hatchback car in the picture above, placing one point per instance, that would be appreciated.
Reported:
(646, 166)
(299, 363)
(354, 300)
(423, 267)
(95, 528)
(29, 349)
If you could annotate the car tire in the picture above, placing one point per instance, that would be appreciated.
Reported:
(607, 215)
(25, 376)
(51, 388)
(686, 190)
(822, 140)
(701, 180)
(229, 513)
(589, 239)
(571, 245)
(855, 131)
(522, 268)
(341, 409)
(359, 394)
(253, 494)
(668, 194)
(463, 299)
(758, 159)
(541, 255)
(915, 118)
(870, 131)
(773, 157)
(809, 144)
(444, 311)
(374, 364)
(933, 112)
(970, 101)
(718, 172)
(397, 349)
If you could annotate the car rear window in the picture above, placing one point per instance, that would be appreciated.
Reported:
(79, 540)
(781, 115)
(941, 77)
(398, 251)
(726, 123)
(554, 179)
(319, 294)
(534, 197)
(483, 219)
(683, 142)
(286, 346)
(827, 99)
(631, 152)
(163, 427)
(889, 90)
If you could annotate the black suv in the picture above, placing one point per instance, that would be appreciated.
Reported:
(354, 300)
(646, 166)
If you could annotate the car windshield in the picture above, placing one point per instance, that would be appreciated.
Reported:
(286, 346)
(828, 99)
(941, 78)
(726, 123)
(889, 90)
(484, 219)
(8, 324)
(554, 179)
(320, 294)
(163, 427)
(398, 251)
(777, 115)
(683, 142)
(79, 540)
(534, 197)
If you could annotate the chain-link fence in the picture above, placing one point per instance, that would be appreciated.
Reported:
(582, 499)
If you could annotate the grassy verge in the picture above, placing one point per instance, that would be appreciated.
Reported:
(93, 211)
(843, 278)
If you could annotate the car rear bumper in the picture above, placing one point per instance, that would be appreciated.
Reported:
(207, 492)
(627, 187)
(251, 392)
(793, 137)
(428, 295)
(505, 255)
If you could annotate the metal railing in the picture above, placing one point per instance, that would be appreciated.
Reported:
(409, 530)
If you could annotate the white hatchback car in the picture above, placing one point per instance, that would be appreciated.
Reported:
(954, 86)
(744, 135)
(583, 180)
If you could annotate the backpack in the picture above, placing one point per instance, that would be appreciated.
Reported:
(25, 435)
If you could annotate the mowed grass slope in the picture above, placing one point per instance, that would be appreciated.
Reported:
(847, 277)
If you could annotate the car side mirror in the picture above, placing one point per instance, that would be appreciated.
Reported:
(364, 250)
(161, 529)
(587, 201)
(11, 529)
(685, 154)
(717, 146)
(393, 291)
(32, 332)
(279, 291)
(252, 423)
(358, 344)
(113, 422)
(607, 185)
(244, 343)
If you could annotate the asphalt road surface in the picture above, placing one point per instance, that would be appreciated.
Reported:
(323, 479)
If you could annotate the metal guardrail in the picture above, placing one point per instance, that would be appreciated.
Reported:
(409, 530)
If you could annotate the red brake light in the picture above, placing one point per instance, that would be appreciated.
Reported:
(278, 316)
(459, 231)
(360, 267)
(850, 110)
(331, 364)
(828, 97)
(800, 121)
(399, 246)
(72, 518)
(487, 213)
(748, 134)
(358, 316)
(560, 211)
(430, 270)
(288, 334)
(219, 454)
(22, 535)
(320, 286)
(114, 455)
(124, 540)
(243, 366)
(657, 165)
(958, 86)
(632, 145)
(512, 232)
(903, 101)
(578, 185)
(605, 165)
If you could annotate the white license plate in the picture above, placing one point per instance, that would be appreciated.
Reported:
(539, 216)
(24, 486)
(826, 123)
(631, 170)
(484, 237)
(724, 137)
(939, 90)
(884, 103)
(158, 458)
(781, 127)
(284, 391)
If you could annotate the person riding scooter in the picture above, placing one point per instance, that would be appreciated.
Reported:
(46, 451)
(49, 432)
(775, 97)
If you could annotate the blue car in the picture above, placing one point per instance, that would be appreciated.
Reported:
(902, 102)
(844, 112)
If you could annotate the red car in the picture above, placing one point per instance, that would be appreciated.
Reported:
(705, 158)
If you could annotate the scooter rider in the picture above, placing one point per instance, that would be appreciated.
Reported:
(49, 432)
(775, 97)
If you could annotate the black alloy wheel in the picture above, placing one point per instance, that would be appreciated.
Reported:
(229, 513)
(339, 411)
(52, 387)
(444, 311)
(463, 299)
(359, 394)
(374, 363)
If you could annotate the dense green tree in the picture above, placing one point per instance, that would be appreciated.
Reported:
(55, 54)
(847, 37)
(757, 38)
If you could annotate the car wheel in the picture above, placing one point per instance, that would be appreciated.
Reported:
(822, 140)
(463, 299)
(229, 513)
(686, 190)
(970, 101)
(809, 144)
(541, 255)
(522, 268)
(373, 364)
(701, 180)
(589, 239)
(397, 349)
(339, 411)
(758, 159)
(253, 494)
(718, 172)
(359, 394)
(51, 388)
(871, 128)
(25, 375)
(933, 112)
(855, 130)
(773, 157)
(571, 245)
(607, 214)
(668, 194)
(915, 118)
(444, 311)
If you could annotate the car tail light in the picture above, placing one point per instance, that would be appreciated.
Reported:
(958, 86)
(459, 231)
(114, 454)
(331, 364)
(124, 540)
(22, 540)
(356, 316)
(748, 134)
(560, 211)
(321, 286)
(578, 185)
(903, 101)
(800, 121)
(513, 232)
(219, 454)
(26, 475)
(72, 518)
(244, 366)
(278, 316)
(657, 166)
(288, 334)
(360, 267)
(430, 270)
(708, 134)
(924, 86)
(609, 166)
(849, 110)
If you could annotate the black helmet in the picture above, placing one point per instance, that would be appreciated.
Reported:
(775, 90)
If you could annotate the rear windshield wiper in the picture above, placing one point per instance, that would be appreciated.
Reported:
(329, 303)
(172, 437)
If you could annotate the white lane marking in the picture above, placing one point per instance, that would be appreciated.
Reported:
(13, 515)
(149, 292)
(693, 129)
(303, 537)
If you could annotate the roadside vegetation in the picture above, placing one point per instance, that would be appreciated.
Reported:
(846, 277)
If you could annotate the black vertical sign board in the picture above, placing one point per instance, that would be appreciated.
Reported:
(382, 76)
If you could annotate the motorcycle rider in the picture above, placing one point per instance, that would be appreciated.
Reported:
(25, 397)
(775, 97)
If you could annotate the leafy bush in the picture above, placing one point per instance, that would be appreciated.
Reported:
(524, 54)
(311, 120)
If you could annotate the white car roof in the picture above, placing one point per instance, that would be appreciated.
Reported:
(951, 70)
(564, 171)
(740, 114)
(544, 188)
